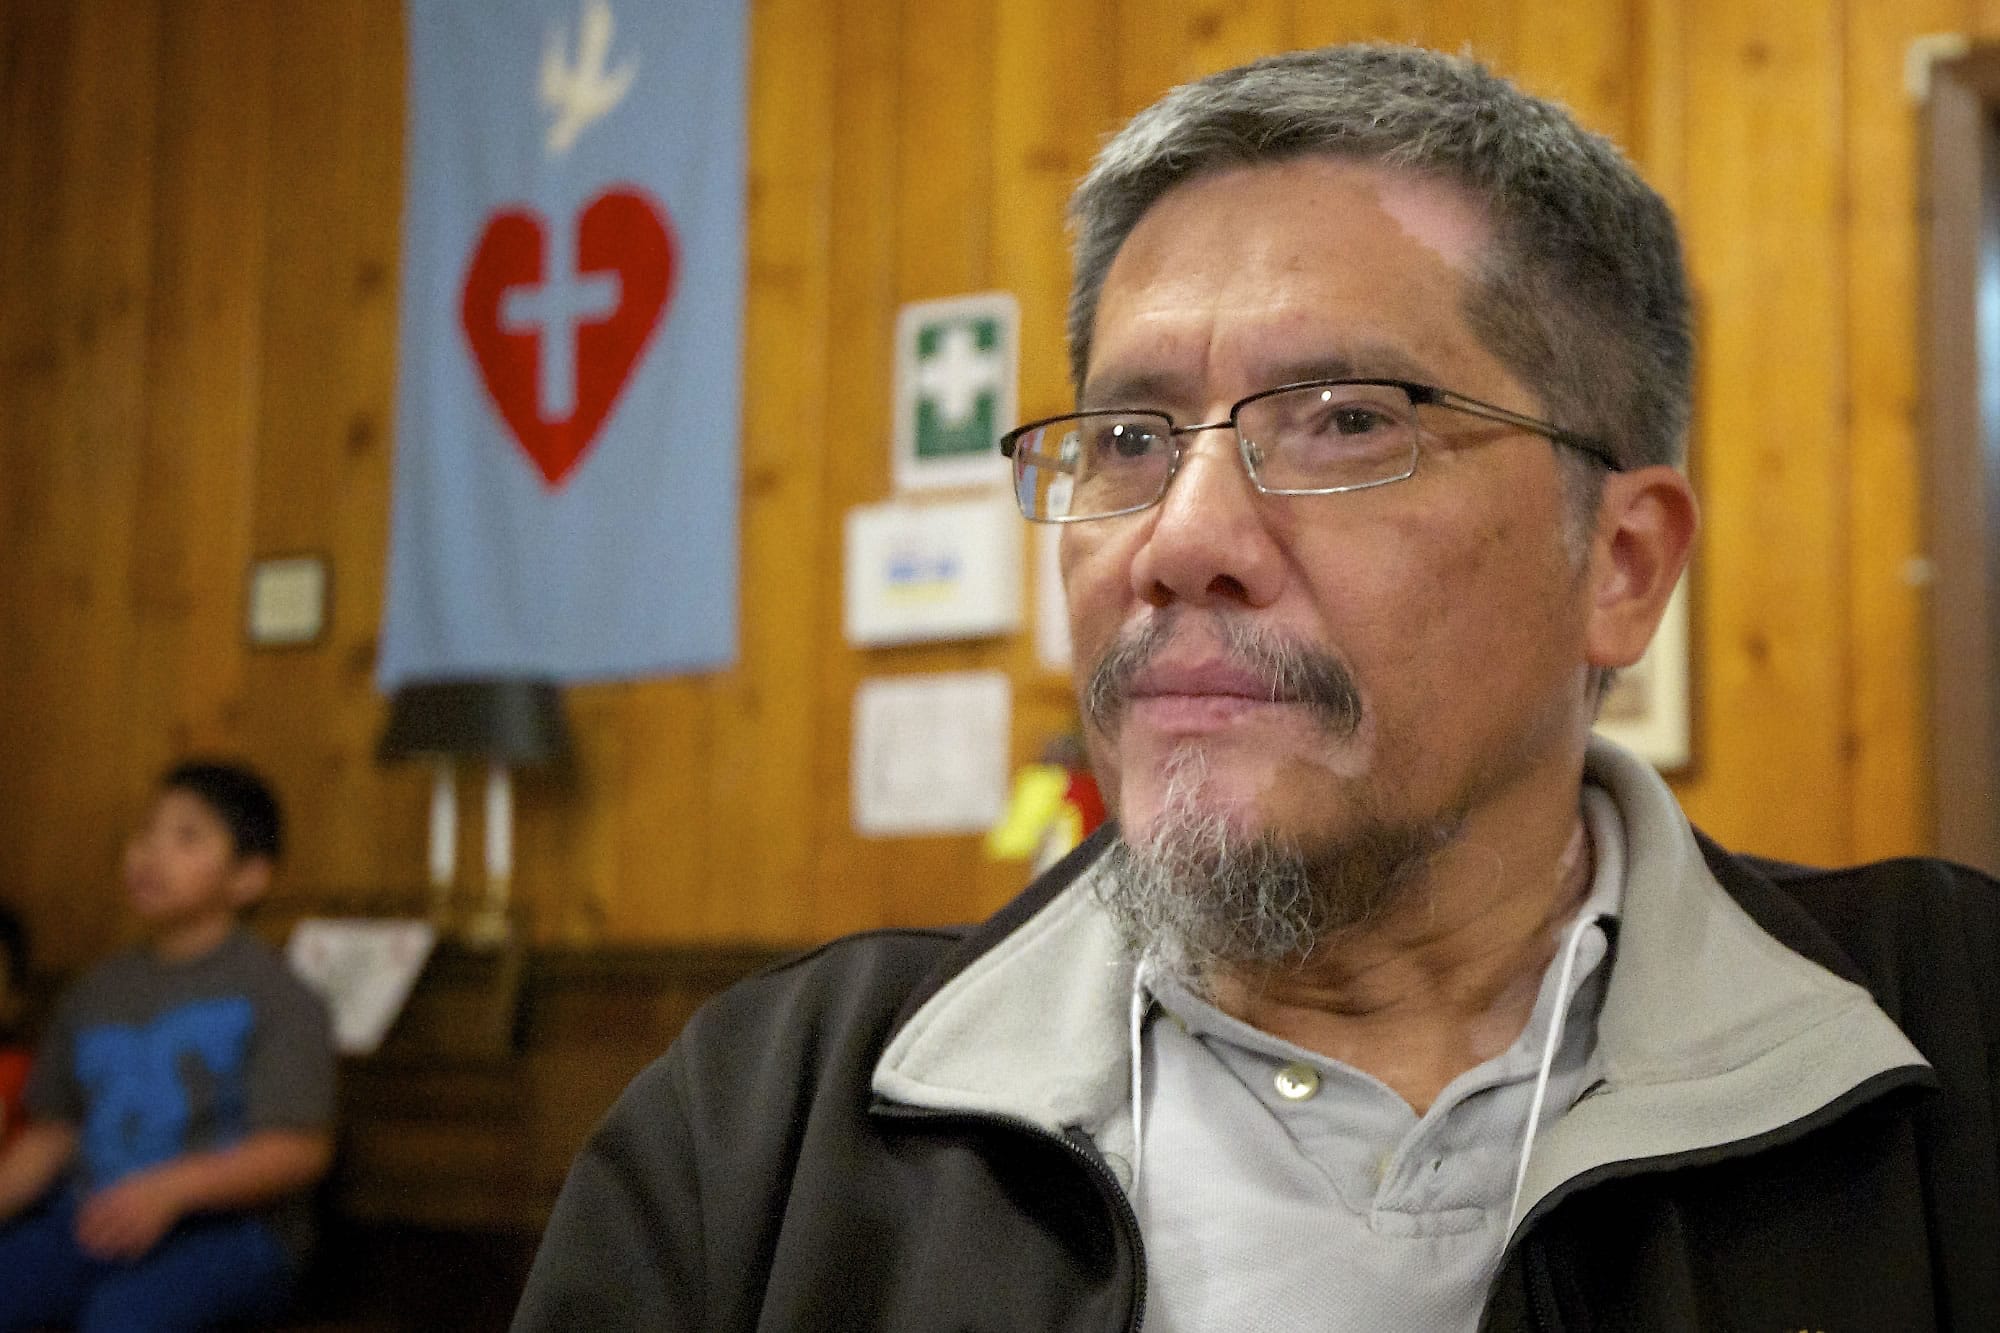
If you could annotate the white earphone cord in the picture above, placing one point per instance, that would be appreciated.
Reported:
(1548, 1062)
(1549, 1046)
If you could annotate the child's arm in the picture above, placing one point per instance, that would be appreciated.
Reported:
(33, 1162)
(125, 1220)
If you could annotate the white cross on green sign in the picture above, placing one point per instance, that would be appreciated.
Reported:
(959, 371)
(955, 368)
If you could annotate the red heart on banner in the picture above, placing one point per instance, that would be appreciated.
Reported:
(620, 235)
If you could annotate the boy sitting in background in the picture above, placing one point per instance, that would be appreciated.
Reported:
(180, 1104)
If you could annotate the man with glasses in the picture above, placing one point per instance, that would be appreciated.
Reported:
(1392, 999)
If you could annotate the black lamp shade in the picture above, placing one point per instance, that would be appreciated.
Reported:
(514, 721)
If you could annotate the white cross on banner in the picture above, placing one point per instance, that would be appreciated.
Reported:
(568, 404)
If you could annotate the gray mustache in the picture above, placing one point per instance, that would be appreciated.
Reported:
(1294, 672)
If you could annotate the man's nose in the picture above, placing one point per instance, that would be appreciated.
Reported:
(1208, 540)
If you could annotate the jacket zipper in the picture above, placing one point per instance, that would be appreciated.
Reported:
(1093, 1165)
(1121, 1209)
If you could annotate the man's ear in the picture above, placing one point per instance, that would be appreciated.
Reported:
(249, 880)
(1646, 522)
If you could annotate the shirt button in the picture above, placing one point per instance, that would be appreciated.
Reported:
(1297, 1081)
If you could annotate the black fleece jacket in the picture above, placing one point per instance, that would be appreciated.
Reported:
(749, 1179)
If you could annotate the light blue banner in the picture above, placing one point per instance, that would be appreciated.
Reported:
(567, 409)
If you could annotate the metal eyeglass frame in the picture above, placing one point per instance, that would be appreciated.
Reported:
(1420, 395)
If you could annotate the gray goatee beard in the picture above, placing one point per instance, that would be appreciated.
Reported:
(1196, 897)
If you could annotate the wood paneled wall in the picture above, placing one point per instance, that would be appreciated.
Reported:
(198, 261)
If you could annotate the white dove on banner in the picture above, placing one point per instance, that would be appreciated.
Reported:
(582, 93)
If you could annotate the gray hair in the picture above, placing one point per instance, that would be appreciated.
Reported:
(1583, 296)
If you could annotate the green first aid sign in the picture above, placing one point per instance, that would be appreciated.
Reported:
(961, 369)
(955, 389)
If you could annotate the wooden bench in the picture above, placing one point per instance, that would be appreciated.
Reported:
(456, 1136)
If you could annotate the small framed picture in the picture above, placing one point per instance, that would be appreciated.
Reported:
(1647, 709)
(288, 601)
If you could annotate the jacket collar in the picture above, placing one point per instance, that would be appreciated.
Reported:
(1028, 1019)
(1712, 1032)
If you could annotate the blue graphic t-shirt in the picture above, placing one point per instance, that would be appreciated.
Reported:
(151, 1060)
(142, 1084)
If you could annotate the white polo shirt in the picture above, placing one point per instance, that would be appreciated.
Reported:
(1282, 1190)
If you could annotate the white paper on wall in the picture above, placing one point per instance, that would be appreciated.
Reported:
(930, 753)
(916, 572)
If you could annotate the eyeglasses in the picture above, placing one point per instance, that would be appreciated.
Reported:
(1319, 437)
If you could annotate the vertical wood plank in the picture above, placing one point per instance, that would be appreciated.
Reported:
(869, 165)
(1363, 21)
(1490, 32)
(36, 57)
(379, 820)
(1763, 226)
(1582, 56)
(1161, 44)
(1659, 99)
(297, 445)
(1886, 630)
(323, 447)
(944, 181)
(1044, 136)
(656, 873)
(945, 204)
(197, 471)
(574, 881)
(78, 754)
(762, 792)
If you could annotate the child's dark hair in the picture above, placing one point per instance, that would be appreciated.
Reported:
(240, 799)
